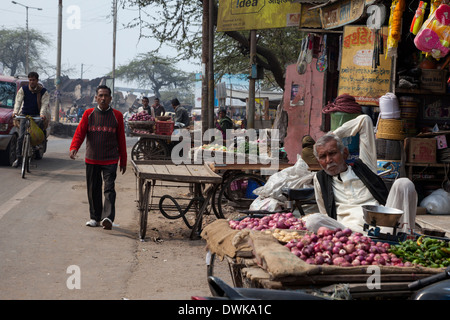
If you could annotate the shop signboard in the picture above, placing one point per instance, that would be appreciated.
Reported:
(310, 18)
(357, 76)
(341, 13)
(238, 15)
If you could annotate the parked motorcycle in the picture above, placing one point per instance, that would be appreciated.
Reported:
(435, 287)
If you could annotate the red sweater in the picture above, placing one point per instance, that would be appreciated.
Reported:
(105, 137)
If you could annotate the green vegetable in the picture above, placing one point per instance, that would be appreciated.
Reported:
(427, 252)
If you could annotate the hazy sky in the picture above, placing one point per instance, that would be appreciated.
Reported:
(87, 34)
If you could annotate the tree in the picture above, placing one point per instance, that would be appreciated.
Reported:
(149, 70)
(13, 54)
(178, 23)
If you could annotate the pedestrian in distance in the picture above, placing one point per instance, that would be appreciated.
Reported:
(224, 122)
(146, 107)
(158, 108)
(182, 118)
(103, 128)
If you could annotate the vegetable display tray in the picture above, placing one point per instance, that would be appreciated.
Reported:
(141, 124)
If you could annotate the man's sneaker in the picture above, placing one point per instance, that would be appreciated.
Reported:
(17, 163)
(107, 224)
(92, 223)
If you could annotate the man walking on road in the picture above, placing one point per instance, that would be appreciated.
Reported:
(103, 128)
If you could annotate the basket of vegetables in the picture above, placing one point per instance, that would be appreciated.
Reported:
(142, 120)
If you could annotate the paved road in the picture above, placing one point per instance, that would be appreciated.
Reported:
(43, 238)
(46, 250)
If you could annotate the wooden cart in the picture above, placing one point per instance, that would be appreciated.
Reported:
(151, 146)
(198, 176)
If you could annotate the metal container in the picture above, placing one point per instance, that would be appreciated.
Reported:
(381, 216)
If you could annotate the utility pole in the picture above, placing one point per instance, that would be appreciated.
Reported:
(252, 83)
(114, 50)
(27, 64)
(211, 65)
(58, 63)
(205, 56)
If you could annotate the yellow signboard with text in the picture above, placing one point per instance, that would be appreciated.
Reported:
(357, 76)
(238, 15)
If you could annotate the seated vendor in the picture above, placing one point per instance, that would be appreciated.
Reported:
(342, 189)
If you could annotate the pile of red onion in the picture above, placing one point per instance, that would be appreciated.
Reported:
(343, 248)
(141, 116)
(273, 221)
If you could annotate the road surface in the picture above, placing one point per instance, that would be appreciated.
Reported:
(47, 252)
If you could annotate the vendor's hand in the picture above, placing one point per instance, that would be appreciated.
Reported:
(73, 153)
(123, 169)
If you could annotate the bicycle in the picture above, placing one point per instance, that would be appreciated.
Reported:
(27, 148)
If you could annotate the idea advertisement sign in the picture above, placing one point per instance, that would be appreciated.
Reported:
(237, 15)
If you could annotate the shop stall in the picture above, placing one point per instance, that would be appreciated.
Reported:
(392, 57)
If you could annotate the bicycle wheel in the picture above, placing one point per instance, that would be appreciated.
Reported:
(237, 193)
(144, 208)
(26, 155)
(217, 191)
(214, 200)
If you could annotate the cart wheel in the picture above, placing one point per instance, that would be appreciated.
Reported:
(148, 149)
(237, 193)
(144, 211)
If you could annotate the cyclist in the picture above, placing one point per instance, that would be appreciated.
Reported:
(31, 100)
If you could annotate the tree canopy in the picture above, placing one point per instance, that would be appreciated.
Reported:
(177, 23)
(151, 71)
(13, 54)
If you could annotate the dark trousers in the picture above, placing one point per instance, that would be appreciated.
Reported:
(96, 176)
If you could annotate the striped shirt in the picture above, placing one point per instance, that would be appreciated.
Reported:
(105, 137)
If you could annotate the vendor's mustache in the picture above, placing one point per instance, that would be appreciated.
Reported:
(331, 165)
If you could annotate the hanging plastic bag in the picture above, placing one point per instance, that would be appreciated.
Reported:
(434, 35)
(36, 133)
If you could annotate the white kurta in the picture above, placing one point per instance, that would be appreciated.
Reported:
(349, 191)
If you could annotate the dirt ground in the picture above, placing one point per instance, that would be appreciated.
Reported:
(169, 265)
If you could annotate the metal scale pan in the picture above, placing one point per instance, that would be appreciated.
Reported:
(379, 216)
